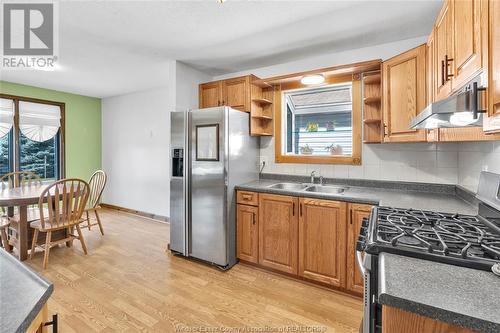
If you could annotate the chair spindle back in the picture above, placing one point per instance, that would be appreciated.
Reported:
(66, 200)
(97, 183)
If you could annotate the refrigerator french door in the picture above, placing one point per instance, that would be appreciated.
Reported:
(219, 154)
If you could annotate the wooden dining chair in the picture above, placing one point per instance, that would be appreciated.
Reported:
(97, 183)
(65, 202)
(4, 226)
(19, 179)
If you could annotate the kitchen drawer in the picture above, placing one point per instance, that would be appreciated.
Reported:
(247, 198)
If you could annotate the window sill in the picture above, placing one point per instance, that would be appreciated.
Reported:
(302, 159)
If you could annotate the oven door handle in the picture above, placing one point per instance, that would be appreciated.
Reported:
(359, 260)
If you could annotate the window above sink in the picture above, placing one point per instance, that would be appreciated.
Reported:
(320, 123)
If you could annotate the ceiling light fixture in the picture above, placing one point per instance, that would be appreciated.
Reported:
(312, 79)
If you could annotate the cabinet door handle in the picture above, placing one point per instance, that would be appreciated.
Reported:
(246, 197)
(253, 222)
(300, 209)
(350, 217)
(447, 66)
(293, 209)
(443, 75)
(385, 130)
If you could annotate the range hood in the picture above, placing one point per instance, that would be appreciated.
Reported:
(463, 109)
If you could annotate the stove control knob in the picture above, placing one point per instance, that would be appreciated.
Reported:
(496, 269)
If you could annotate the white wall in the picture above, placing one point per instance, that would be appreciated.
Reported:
(136, 140)
(382, 51)
(187, 81)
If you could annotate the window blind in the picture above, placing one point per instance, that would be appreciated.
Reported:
(6, 116)
(39, 122)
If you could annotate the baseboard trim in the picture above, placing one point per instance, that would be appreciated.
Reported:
(160, 218)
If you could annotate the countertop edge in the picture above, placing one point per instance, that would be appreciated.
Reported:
(36, 309)
(49, 289)
(449, 317)
(303, 194)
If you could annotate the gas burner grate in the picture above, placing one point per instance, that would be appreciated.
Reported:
(425, 232)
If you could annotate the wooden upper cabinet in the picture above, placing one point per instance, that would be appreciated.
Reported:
(322, 241)
(233, 92)
(210, 94)
(278, 232)
(247, 233)
(443, 39)
(494, 64)
(469, 28)
(430, 62)
(236, 93)
(354, 278)
(404, 95)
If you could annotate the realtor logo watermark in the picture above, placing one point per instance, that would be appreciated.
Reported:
(30, 35)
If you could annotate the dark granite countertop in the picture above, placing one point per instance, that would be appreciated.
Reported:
(442, 198)
(23, 293)
(460, 296)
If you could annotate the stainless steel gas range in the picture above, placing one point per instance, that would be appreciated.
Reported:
(463, 240)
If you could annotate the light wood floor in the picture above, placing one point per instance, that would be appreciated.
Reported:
(129, 283)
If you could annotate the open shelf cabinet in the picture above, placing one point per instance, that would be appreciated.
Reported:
(372, 108)
(261, 109)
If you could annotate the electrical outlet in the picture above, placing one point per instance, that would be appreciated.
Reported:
(263, 160)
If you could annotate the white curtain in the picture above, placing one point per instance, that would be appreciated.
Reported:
(6, 116)
(39, 122)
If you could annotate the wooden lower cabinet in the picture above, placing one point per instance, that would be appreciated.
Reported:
(354, 279)
(278, 232)
(398, 321)
(312, 239)
(36, 325)
(247, 231)
(322, 241)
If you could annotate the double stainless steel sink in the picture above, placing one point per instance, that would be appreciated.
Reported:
(331, 189)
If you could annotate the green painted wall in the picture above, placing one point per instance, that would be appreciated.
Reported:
(83, 126)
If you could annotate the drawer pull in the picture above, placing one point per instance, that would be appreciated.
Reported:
(53, 323)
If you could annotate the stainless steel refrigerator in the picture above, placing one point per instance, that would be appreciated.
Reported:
(211, 152)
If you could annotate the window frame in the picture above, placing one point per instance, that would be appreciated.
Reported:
(16, 144)
(355, 158)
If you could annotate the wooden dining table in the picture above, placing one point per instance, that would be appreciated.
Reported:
(23, 197)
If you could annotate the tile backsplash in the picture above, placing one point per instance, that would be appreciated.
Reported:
(448, 163)
(474, 157)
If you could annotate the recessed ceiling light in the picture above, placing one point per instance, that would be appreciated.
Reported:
(312, 79)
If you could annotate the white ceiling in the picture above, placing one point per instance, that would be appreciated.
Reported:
(115, 47)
